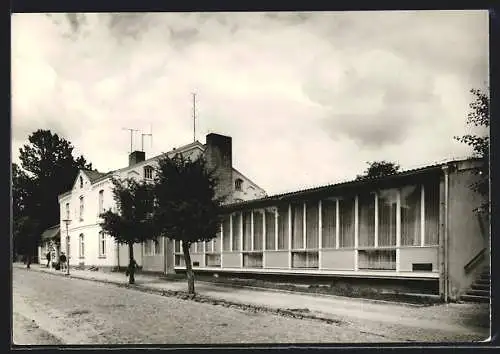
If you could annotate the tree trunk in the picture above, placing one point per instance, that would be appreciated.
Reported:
(189, 267)
(131, 264)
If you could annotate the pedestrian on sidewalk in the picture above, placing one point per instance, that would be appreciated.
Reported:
(62, 261)
(48, 259)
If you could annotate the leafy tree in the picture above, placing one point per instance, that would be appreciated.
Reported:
(133, 223)
(186, 206)
(379, 169)
(48, 169)
(479, 117)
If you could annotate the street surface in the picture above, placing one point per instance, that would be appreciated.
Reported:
(51, 309)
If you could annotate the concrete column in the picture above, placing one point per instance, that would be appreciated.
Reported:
(398, 230)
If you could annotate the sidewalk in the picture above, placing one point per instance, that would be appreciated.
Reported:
(455, 318)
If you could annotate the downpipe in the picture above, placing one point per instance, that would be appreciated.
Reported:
(445, 236)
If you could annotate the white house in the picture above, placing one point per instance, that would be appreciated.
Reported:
(92, 194)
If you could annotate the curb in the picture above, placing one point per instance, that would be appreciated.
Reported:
(290, 313)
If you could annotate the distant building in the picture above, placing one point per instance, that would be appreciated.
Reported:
(92, 194)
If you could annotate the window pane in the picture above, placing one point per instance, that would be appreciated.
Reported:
(312, 225)
(305, 260)
(226, 225)
(410, 215)
(366, 207)
(177, 245)
(247, 236)
(346, 215)
(283, 227)
(257, 230)
(236, 231)
(252, 260)
(431, 205)
(387, 204)
(297, 226)
(270, 229)
(328, 220)
(377, 259)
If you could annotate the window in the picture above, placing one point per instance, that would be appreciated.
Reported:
(387, 207)
(226, 229)
(305, 260)
(148, 172)
(431, 205)
(312, 225)
(252, 260)
(157, 246)
(247, 236)
(297, 226)
(270, 228)
(147, 247)
(328, 222)
(257, 230)
(283, 227)
(102, 244)
(236, 231)
(67, 211)
(82, 206)
(238, 183)
(410, 215)
(366, 210)
(346, 221)
(377, 259)
(81, 248)
(101, 202)
(81, 182)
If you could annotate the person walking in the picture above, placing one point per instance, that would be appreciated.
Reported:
(48, 259)
(62, 261)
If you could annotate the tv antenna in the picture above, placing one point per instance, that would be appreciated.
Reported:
(142, 139)
(194, 116)
(131, 136)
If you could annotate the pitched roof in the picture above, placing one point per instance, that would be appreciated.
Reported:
(94, 175)
(51, 233)
(350, 183)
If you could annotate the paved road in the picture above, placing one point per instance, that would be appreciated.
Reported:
(76, 311)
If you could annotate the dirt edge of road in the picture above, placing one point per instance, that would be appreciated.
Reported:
(298, 313)
(26, 328)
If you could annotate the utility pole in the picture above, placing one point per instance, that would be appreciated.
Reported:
(194, 116)
(131, 136)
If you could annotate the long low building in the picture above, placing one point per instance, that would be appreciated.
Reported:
(415, 227)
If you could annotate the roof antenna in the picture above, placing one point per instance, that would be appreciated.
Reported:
(194, 116)
(142, 140)
(131, 136)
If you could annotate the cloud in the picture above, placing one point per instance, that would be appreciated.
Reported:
(307, 97)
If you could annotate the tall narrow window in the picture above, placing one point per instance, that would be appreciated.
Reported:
(81, 248)
(102, 244)
(387, 205)
(312, 225)
(81, 182)
(410, 215)
(346, 216)
(82, 206)
(247, 236)
(270, 229)
(67, 211)
(236, 231)
(101, 202)
(328, 222)
(297, 226)
(237, 184)
(226, 229)
(148, 172)
(257, 230)
(283, 227)
(431, 205)
(366, 220)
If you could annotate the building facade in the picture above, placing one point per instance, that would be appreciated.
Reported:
(417, 227)
(81, 235)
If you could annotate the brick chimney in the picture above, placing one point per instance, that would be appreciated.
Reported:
(219, 156)
(136, 157)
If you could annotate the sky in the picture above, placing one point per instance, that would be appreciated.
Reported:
(308, 97)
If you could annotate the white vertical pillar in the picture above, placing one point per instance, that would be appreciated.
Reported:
(241, 239)
(264, 238)
(422, 216)
(221, 243)
(289, 235)
(252, 233)
(304, 229)
(320, 234)
(398, 229)
(356, 232)
(337, 223)
(276, 228)
(231, 232)
(376, 219)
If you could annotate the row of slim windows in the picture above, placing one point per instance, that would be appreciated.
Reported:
(378, 223)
